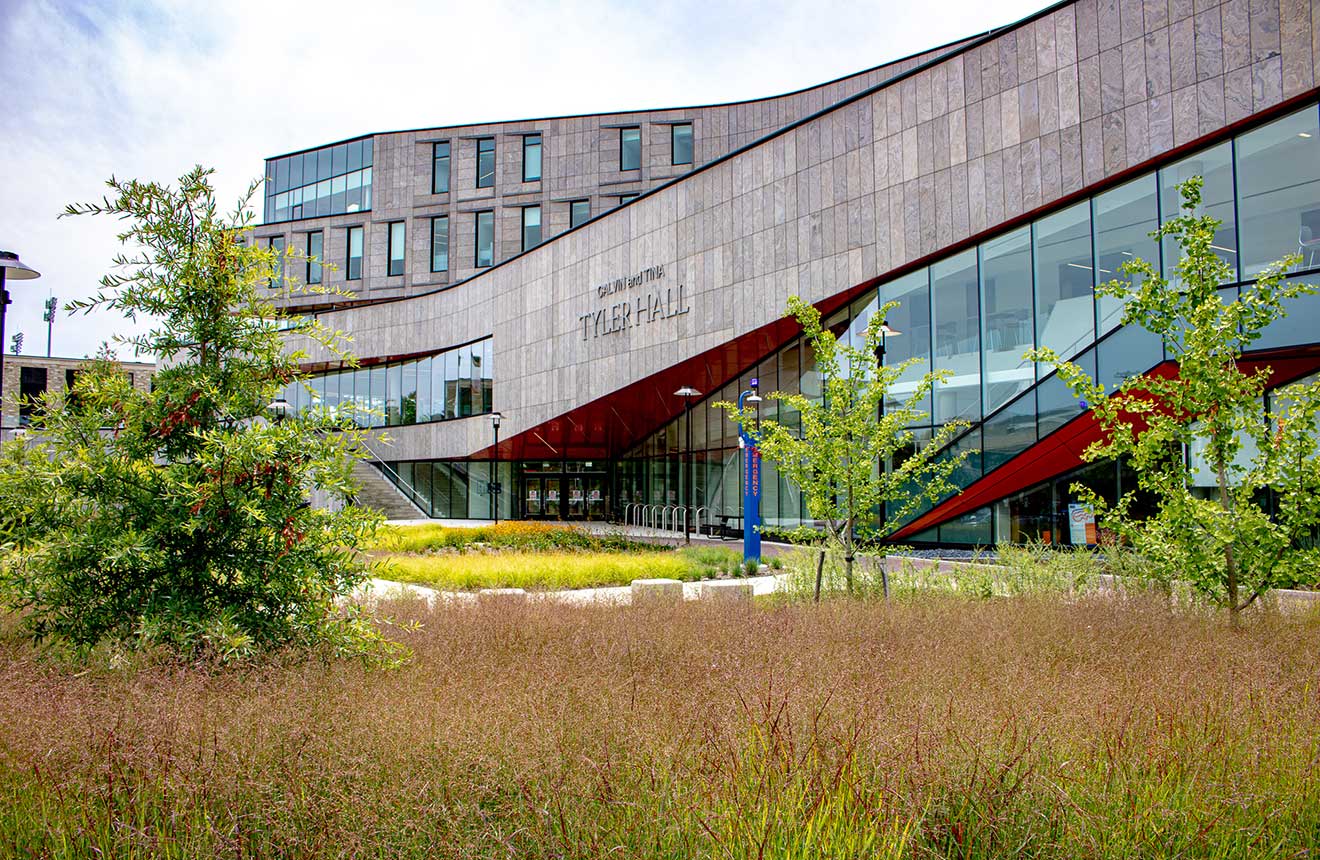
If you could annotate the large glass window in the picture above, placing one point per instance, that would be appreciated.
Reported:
(531, 227)
(680, 142)
(630, 149)
(354, 266)
(486, 162)
(408, 396)
(1006, 326)
(1065, 306)
(397, 247)
(1124, 218)
(911, 321)
(393, 394)
(424, 389)
(485, 236)
(315, 249)
(312, 184)
(531, 157)
(579, 212)
(440, 243)
(1278, 180)
(956, 325)
(1215, 166)
(440, 168)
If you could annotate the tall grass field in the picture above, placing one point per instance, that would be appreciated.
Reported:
(938, 726)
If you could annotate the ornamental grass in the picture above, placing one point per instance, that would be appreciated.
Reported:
(1090, 727)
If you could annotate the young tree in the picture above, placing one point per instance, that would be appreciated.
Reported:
(1225, 542)
(180, 516)
(851, 457)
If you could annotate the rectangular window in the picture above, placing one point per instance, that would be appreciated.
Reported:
(485, 230)
(354, 253)
(579, 213)
(1007, 329)
(627, 198)
(440, 244)
(276, 244)
(440, 168)
(531, 227)
(315, 248)
(1215, 167)
(1278, 186)
(680, 143)
(630, 149)
(31, 385)
(486, 162)
(396, 246)
(531, 158)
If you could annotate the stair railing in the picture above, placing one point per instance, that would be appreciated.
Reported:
(396, 479)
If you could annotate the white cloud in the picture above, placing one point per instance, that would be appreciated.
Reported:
(147, 89)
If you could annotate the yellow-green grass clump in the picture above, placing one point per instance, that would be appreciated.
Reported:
(539, 570)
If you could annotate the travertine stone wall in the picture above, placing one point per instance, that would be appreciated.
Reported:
(1034, 113)
(580, 162)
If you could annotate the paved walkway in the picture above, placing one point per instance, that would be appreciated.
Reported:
(616, 595)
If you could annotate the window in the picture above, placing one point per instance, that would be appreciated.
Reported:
(531, 227)
(440, 168)
(1006, 324)
(680, 143)
(627, 198)
(354, 253)
(1278, 181)
(957, 320)
(485, 229)
(531, 157)
(31, 385)
(486, 162)
(1215, 166)
(579, 212)
(276, 244)
(1065, 308)
(315, 248)
(328, 181)
(440, 244)
(1124, 217)
(396, 247)
(630, 149)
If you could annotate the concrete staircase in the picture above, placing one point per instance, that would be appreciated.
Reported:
(379, 492)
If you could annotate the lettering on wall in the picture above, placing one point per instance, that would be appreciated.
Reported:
(653, 301)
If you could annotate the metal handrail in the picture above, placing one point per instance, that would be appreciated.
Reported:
(395, 478)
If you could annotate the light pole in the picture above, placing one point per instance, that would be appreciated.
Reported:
(687, 392)
(886, 331)
(10, 268)
(751, 478)
(495, 487)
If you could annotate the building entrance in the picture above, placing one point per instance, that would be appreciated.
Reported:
(564, 491)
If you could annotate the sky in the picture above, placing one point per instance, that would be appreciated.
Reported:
(148, 88)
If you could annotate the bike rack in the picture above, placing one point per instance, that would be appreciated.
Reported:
(696, 518)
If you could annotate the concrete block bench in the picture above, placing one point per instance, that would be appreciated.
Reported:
(653, 593)
(501, 597)
(727, 591)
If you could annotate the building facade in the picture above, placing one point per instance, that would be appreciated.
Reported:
(984, 185)
(27, 377)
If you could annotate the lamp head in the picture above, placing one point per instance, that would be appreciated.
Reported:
(687, 391)
(14, 269)
(495, 419)
(279, 407)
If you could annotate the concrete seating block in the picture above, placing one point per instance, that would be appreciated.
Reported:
(731, 591)
(501, 597)
(653, 593)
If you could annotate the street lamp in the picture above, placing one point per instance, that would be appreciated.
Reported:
(751, 476)
(687, 392)
(279, 408)
(10, 268)
(494, 486)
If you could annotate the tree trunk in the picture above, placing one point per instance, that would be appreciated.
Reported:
(848, 569)
(820, 572)
(1230, 559)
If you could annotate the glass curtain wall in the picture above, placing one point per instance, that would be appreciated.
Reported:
(975, 313)
(454, 383)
